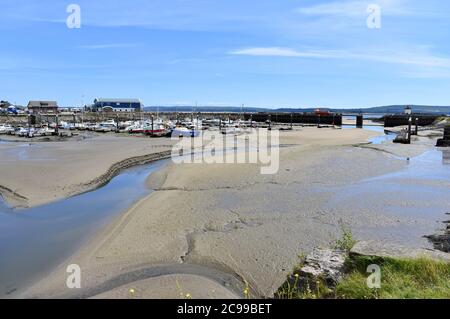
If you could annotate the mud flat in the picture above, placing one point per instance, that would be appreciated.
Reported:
(33, 174)
(211, 230)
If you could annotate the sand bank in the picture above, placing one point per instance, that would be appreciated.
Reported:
(215, 229)
(33, 174)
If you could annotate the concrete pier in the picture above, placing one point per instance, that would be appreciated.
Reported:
(445, 141)
(359, 121)
(297, 118)
(403, 119)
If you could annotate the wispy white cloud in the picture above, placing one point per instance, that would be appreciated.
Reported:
(272, 51)
(414, 58)
(357, 8)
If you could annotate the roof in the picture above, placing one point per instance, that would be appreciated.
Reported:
(117, 100)
(42, 104)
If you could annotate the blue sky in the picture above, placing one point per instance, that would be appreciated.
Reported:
(261, 53)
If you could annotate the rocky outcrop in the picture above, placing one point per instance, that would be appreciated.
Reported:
(442, 241)
(325, 264)
(384, 249)
(322, 266)
(327, 267)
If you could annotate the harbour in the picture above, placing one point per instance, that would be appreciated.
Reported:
(73, 221)
(252, 155)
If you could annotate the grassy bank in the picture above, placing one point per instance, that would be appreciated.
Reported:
(400, 279)
(404, 279)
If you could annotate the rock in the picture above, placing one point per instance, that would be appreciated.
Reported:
(384, 249)
(402, 138)
(325, 264)
(441, 242)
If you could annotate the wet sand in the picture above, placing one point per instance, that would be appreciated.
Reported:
(214, 229)
(37, 173)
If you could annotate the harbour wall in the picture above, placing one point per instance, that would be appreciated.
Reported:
(403, 119)
(296, 118)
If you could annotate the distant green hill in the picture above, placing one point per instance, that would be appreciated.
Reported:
(218, 109)
(390, 109)
(400, 109)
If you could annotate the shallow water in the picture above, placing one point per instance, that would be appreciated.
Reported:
(417, 195)
(33, 241)
(387, 137)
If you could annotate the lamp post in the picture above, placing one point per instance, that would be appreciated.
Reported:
(409, 130)
(151, 134)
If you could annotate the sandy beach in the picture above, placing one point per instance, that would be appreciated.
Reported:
(212, 230)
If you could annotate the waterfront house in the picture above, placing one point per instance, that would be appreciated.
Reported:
(4, 104)
(47, 107)
(117, 105)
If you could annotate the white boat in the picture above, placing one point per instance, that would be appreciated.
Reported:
(90, 126)
(102, 129)
(196, 125)
(158, 130)
(63, 125)
(142, 127)
(10, 130)
(23, 132)
(44, 131)
(125, 125)
(231, 130)
(132, 127)
(6, 129)
(80, 126)
(107, 126)
(185, 132)
(110, 123)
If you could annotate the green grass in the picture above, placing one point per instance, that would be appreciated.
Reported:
(400, 279)
(346, 242)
